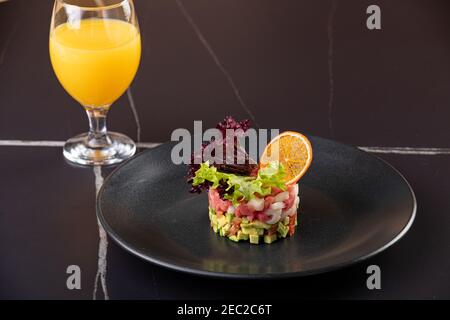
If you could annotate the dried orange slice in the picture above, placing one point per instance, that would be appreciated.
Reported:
(293, 150)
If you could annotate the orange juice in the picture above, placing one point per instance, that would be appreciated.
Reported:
(95, 60)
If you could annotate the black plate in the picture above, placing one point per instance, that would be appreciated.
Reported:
(352, 206)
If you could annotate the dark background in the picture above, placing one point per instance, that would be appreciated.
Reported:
(298, 65)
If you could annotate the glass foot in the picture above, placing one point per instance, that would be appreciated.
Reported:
(118, 147)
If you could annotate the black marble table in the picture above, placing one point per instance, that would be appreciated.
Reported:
(310, 66)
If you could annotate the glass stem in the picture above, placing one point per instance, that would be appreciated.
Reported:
(98, 135)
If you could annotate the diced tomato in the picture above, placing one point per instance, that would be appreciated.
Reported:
(219, 213)
(289, 202)
(210, 199)
(251, 218)
(244, 210)
(224, 205)
(262, 216)
(292, 224)
(272, 230)
(233, 230)
(291, 231)
(275, 191)
(268, 201)
(216, 203)
(237, 211)
(236, 221)
(250, 209)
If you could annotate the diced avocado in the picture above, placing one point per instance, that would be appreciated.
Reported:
(244, 221)
(260, 225)
(215, 228)
(269, 239)
(249, 230)
(213, 219)
(229, 217)
(254, 239)
(282, 230)
(234, 238)
(242, 236)
(221, 221)
(260, 231)
(286, 221)
(224, 230)
(212, 214)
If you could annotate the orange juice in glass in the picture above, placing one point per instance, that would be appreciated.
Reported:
(95, 49)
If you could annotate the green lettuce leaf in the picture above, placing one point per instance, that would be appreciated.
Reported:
(273, 175)
(242, 188)
(207, 173)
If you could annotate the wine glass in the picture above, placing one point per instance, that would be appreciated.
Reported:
(95, 50)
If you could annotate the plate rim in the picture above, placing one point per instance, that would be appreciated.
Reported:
(260, 276)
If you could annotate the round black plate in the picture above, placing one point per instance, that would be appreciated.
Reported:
(352, 206)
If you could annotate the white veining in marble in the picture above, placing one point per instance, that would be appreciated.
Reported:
(135, 114)
(53, 143)
(216, 60)
(408, 150)
(330, 65)
(31, 143)
(102, 246)
(149, 145)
